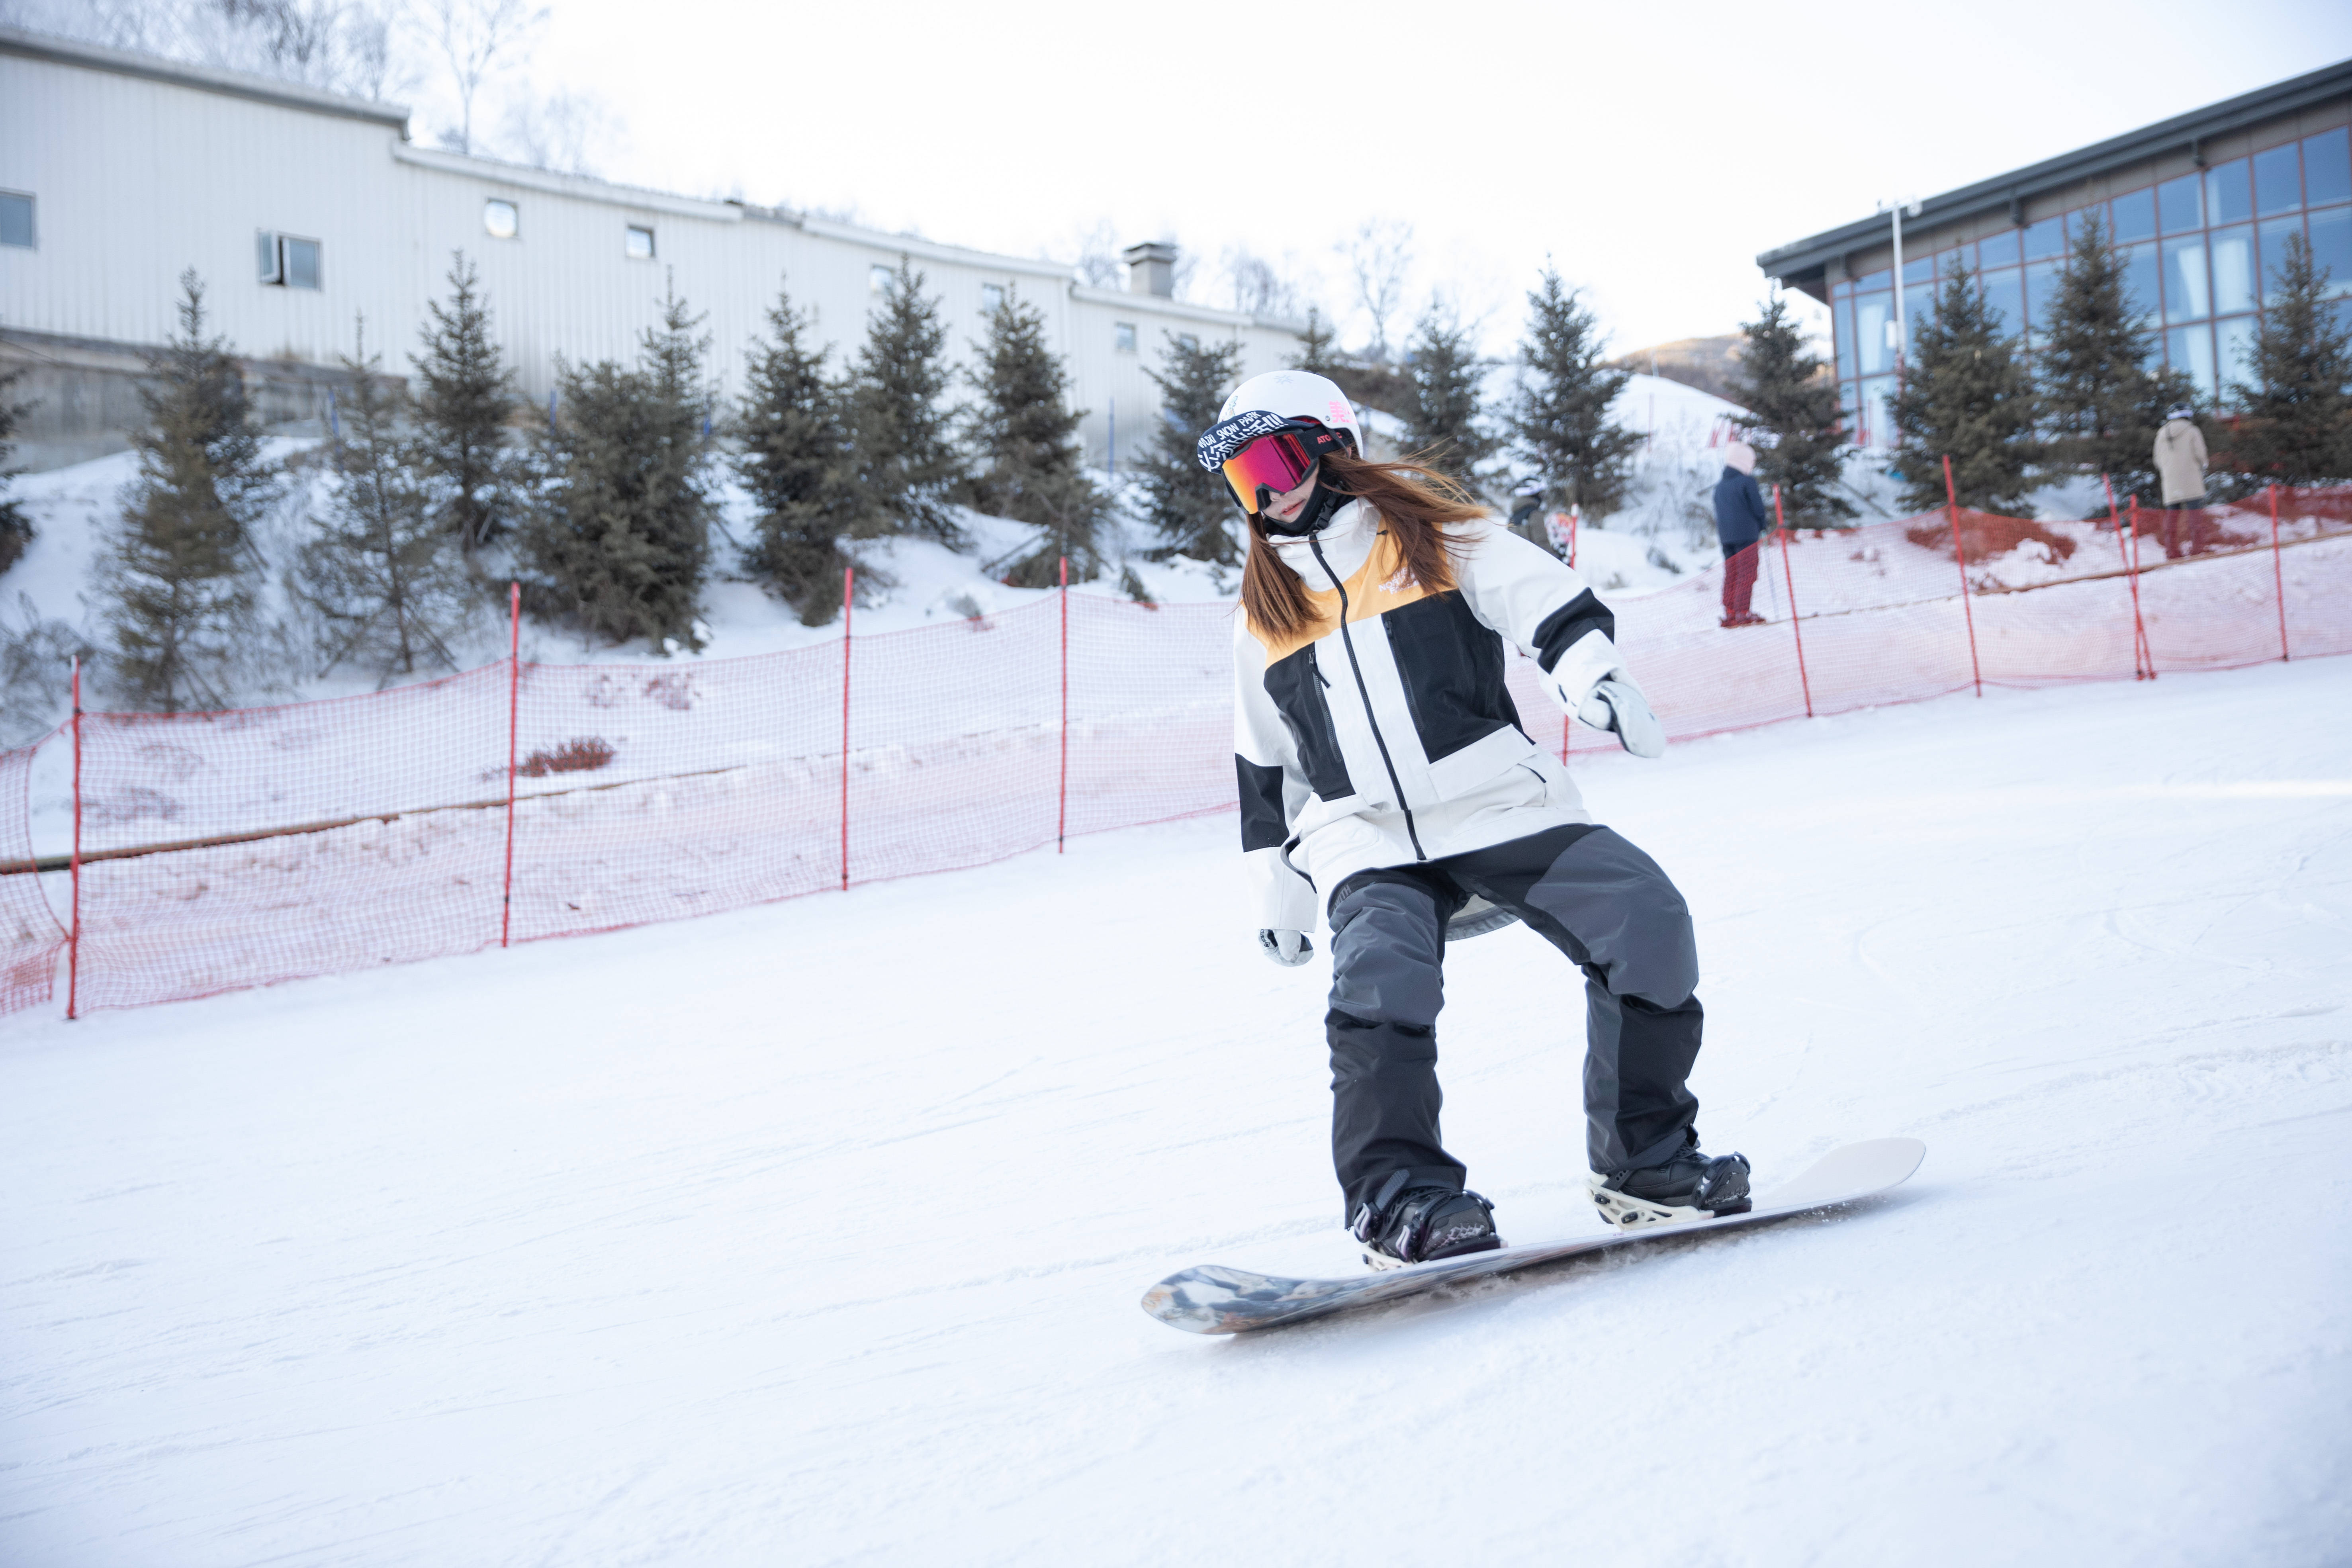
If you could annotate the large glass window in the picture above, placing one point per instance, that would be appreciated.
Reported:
(2045, 238)
(2005, 300)
(2177, 203)
(1842, 320)
(1873, 316)
(2136, 216)
(2187, 297)
(2000, 249)
(2229, 197)
(2143, 280)
(1918, 305)
(2326, 169)
(2041, 294)
(2274, 235)
(16, 219)
(1951, 261)
(1921, 269)
(2331, 246)
(2278, 183)
(2233, 270)
(1878, 429)
(1882, 279)
(2190, 350)
(2234, 340)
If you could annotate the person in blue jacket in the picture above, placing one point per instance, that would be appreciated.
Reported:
(1739, 519)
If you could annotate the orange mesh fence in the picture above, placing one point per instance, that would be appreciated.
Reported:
(31, 936)
(231, 849)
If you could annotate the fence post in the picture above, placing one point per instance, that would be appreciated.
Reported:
(1061, 802)
(2141, 667)
(514, 714)
(1960, 559)
(2278, 574)
(848, 582)
(2147, 648)
(73, 937)
(1789, 575)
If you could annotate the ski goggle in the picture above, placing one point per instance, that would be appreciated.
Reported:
(1261, 453)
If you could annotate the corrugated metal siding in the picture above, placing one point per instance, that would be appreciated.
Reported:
(136, 180)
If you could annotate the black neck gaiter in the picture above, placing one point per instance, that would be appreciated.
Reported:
(1321, 502)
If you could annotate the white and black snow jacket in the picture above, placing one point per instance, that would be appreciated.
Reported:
(1383, 733)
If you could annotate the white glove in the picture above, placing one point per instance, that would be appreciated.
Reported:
(1288, 947)
(1618, 704)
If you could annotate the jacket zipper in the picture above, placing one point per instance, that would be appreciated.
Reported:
(1365, 692)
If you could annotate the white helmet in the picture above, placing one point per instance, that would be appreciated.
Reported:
(1297, 394)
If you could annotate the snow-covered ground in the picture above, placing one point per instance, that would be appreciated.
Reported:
(815, 1232)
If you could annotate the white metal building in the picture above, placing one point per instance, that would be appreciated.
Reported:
(303, 211)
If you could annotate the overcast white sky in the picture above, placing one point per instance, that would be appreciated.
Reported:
(1651, 151)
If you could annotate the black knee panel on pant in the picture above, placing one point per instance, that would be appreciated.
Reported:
(1384, 1106)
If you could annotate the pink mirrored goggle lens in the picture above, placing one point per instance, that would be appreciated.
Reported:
(1278, 462)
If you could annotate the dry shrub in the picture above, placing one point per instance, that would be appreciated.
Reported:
(1985, 534)
(580, 756)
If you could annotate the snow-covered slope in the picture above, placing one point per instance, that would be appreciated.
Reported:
(815, 1232)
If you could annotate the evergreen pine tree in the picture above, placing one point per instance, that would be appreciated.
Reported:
(2099, 404)
(385, 578)
(1024, 436)
(1966, 396)
(178, 569)
(1190, 507)
(903, 435)
(2298, 425)
(796, 465)
(1559, 423)
(1794, 407)
(1316, 354)
(15, 528)
(620, 537)
(465, 396)
(1443, 420)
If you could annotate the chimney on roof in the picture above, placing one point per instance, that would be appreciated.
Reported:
(1151, 268)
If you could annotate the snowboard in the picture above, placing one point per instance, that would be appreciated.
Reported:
(1214, 1300)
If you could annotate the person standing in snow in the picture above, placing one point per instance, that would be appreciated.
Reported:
(1526, 516)
(2180, 468)
(1388, 786)
(1739, 519)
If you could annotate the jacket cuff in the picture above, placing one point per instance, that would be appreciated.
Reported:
(1278, 897)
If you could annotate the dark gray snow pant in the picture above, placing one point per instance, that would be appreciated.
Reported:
(1588, 893)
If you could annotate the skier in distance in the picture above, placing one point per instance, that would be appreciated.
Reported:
(1387, 784)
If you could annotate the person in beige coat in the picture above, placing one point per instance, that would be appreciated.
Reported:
(2180, 467)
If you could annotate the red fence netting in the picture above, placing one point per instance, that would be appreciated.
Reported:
(229, 849)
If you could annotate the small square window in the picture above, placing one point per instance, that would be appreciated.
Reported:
(16, 219)
(1122, 336)
(1191, 344)
(878, 278)
(266, 264)
(991, 298)
(638, 242)
(499, 219)
(301, 262)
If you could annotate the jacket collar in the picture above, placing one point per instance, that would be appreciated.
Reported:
(1346, 542)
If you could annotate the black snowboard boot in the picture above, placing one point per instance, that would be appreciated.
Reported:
(1689, 1186)
(1423, 1225)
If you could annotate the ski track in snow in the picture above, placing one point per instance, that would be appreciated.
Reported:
(815, 1232)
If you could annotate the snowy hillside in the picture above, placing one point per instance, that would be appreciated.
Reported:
(815, 1232)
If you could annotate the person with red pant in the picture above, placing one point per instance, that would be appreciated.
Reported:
(1738, 524)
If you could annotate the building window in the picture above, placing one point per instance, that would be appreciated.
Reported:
(286, 260)
(16, 219)
(991, 298)
(879, 279)
(1191, 344)
(638, 242)
(1122, 336)
(499, 219)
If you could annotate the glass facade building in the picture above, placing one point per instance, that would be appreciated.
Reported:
(2201, 215)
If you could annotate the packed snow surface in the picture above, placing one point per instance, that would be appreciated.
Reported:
(816, 1233)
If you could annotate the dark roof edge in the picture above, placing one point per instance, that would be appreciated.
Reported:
(2023, 185)
(234, 84)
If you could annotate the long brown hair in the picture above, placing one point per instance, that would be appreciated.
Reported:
(1416, 502)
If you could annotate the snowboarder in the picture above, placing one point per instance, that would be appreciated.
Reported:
(1386, 783)
(1738, 524)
